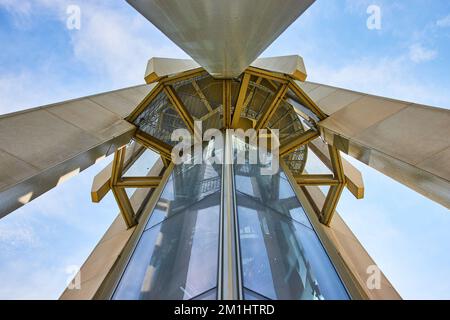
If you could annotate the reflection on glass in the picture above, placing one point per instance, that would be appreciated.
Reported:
(209, 295)
(251, 295)
(176, 256)
(282, 257)
(273, 191)
(169, 261)
(186, 188)
(142, 165)
(140, 168)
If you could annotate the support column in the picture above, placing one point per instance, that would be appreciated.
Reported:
(43, 147)
(230, 278)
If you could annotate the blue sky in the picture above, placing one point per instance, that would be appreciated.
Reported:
(42, 61)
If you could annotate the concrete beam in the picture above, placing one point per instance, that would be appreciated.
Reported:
(349, 257)
(109, 249)
(161, 68)
(225, 36)
(353, 176)
(102, 181)
(408, 142)
(158, 68)
(42, 147)
(288, 65)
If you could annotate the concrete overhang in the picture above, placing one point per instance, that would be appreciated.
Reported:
(159, 68)
(224, 37)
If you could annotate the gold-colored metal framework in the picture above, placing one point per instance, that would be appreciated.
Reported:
(283, 87)
(120, 183)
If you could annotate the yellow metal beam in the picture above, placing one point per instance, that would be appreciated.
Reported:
(183, 76)
(306, 100)
(251, 94)
(240, 100)
(272, 108)
(144, 103)
(296, 143)
(316, 180)
(165, 162)
(353, 177)
(180, 107)
(331, 203)
(209, 115)
(119, 158)
(125, 206)
(102, 181)
(269, 75)
(335, 192)
(121, 197)
(226, 103)
(201, 95)
(336, 163)
(164, 149)
(139, 182)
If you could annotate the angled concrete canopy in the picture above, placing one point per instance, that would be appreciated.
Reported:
(290, 65)
(42, 147)
(159, 68)
(405, 141)
(223, 36)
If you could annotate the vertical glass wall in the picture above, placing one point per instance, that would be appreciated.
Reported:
(282, 257)
(177, 255)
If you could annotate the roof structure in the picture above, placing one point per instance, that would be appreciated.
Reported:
(225, 86)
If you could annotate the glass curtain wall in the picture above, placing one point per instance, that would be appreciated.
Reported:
(282, 257)
(280, 254)
(176, 256)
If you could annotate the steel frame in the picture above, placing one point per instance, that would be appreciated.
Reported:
(285, 87)
(241, 100)
(120, 183)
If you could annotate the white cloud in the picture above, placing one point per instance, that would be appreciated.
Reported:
(113, 43)
(418, 53)
(384, 76)
(444, 22)
(27, 89)
(16, 7)
(17, 234)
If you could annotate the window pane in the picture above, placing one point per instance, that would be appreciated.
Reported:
(274, 191)
(250, 295)
(210, 295)
(142, 165)
(140, 168)
(283, 259)
(169, 261)
(186, 188)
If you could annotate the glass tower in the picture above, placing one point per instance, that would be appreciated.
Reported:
(182, 252)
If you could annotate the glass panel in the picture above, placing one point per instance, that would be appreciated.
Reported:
(251, 295)
(274, 191)
(142, 165)
(185, 188)
(210, 295)
(177, 255)
(160, 119)
(140, 168)
(282, 257)
(169, 261)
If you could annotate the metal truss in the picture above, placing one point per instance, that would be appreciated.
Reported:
(279, 90)
(118, 185)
